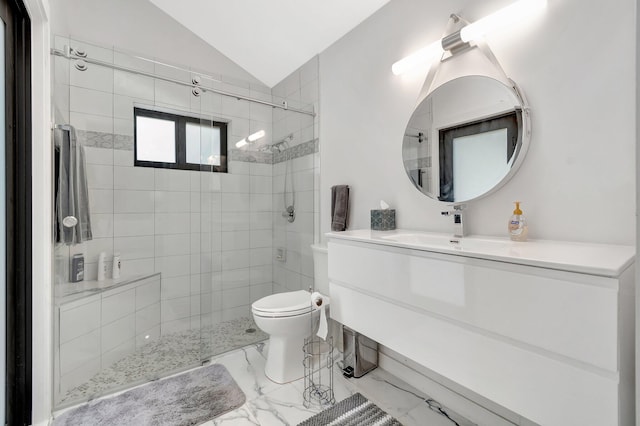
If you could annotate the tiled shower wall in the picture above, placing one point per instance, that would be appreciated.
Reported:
(209, 234)
(296, 272)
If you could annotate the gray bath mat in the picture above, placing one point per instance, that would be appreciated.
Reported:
(355, 410)
(187, 399)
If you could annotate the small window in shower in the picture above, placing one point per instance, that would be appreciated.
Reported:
(203, 144)
(156, 140)
(174, 141)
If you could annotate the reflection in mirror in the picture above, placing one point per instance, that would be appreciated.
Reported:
(475, 157)
(464, 139)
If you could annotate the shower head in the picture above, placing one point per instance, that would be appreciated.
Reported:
(283, 144)
(270, 148)
(278, 146)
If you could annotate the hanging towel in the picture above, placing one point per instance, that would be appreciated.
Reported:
(72, 198)
(339, 207)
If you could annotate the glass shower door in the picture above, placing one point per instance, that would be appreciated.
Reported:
(229, 273)
(148, 325)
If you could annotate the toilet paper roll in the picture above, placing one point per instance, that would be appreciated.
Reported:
(320, 302)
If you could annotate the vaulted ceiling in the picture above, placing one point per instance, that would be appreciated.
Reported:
(270, 38)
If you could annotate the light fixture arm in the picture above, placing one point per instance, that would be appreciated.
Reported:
(454, 26)
(453, 43)
(451, 40)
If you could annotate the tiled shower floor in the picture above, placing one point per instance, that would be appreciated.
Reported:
(171, 353)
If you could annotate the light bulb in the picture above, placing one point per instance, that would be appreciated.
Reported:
(257, 135)
(421, 57)
(241, 143)
(509, 15)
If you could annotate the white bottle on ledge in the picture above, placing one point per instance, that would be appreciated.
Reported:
(102, 266)
(116, 266)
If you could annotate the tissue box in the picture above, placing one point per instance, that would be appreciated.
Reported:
(383, 220)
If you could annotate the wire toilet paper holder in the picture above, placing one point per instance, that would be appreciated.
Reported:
(318, 365)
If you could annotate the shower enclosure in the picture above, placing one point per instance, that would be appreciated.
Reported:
(196, 246)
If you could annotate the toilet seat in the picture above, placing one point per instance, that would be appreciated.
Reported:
(288, 304)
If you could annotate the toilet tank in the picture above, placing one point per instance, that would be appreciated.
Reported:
(321, 268)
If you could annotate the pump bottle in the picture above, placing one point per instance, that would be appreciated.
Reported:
(518, 228)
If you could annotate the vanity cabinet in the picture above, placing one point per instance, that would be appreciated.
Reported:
(550, 340)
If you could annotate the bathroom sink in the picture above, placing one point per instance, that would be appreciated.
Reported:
(421, 239)
(597, 259)
(446, 241)
(484, 244)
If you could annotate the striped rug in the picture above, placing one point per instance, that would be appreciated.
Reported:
(355, 410)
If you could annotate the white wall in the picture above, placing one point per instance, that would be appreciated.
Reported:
(575, 63)
(139, 26)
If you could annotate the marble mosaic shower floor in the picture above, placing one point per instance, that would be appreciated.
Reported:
(171, 353)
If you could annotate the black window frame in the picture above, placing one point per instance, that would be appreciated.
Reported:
(511, 121)
(180, 141)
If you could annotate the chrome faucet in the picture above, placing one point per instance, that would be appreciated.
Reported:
(458, 220)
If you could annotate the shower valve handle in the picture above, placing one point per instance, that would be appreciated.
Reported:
(290, 214)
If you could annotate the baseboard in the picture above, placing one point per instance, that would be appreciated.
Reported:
(47, 422)
(430, 384)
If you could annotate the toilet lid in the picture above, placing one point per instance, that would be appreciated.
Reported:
(290, 303)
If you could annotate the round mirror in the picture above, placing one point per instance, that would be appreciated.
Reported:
(466, 139)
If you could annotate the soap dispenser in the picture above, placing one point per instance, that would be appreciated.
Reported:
(518, 228)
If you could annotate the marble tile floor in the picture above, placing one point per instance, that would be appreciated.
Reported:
(271, 404)
(171, 353)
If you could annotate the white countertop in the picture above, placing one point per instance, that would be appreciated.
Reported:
(588, 258)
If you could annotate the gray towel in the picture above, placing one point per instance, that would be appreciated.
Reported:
(339, 207)
(72, 199)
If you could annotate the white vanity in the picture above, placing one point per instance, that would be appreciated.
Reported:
(543, 328)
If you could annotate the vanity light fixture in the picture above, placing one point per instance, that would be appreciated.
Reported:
(504, 17)
(250, 139)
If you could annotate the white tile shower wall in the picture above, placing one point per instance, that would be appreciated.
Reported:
(98, 330)
(208, 234)
(224, 237)
(296, 271)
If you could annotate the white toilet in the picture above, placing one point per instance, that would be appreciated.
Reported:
(286, 318)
